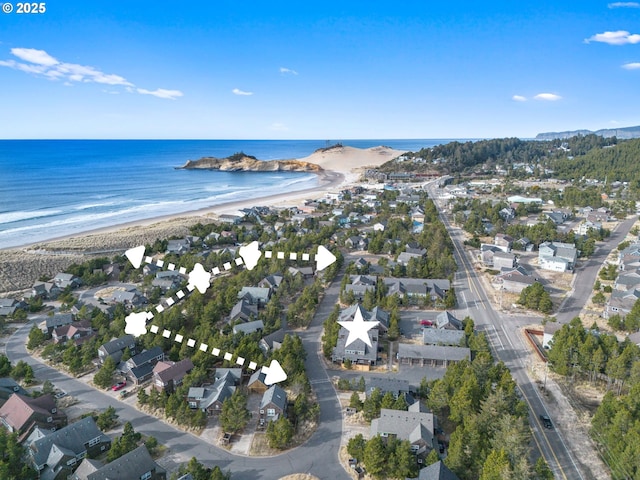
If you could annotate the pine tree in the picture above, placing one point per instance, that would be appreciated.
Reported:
(234, 416)
(375, 458)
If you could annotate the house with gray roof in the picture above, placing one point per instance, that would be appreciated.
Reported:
(169, 375)
(440, 336)
(273, 341)
(514, 280)
(249, 327)
(405, 257)
(64, 280)
(437, 471)
(431, 355)
(8, 306)
(415, 426)
(271, 281)
(557, 256)
(209, 399)
(256, 382)
(445, 320)
(255, 295)
(8, 386)
(116, 347)
(358, 352)
(55, 321)
(139, 368)
(243, 311)
(168, 280)
(135, 465)
(375, 314)
(273, 404)
(56, 454)
(178, 247)
(395, 386)
(621, 302)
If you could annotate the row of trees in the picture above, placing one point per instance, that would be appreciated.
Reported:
(20, 371)
(392, 459)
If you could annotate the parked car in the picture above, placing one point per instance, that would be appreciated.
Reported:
(426, 323)
(546, 421)
(118, 386)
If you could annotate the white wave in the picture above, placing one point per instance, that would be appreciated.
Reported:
(94, 205)
(18, 216)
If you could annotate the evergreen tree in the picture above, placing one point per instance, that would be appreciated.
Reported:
(375, 458)
(356, 446)
(355, 402)
(280, 433)
(234, 416)
(104, 377)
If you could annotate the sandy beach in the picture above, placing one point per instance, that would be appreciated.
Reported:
(20, 267)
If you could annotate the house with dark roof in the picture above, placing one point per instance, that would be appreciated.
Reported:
(135, 465)
(413, 425)
(243, 311)
(357, 352)
(169, 375)
(168, 280)
(514, 280)
(445, 320)
(116, 347)
(22, 414)
(8, 306)
(431, 355)
(46, 290)
(437, 471)
(273, 404)
(273, 341)
(271, 281)
(58, 320)
(396, 386)
(139, 368)
(621, 302)
(78, 332)
(209, 399)
(58, 453)
(179, 246)
(8, 386)
(249, 327)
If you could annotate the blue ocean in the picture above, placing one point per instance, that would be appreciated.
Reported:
(50, 188)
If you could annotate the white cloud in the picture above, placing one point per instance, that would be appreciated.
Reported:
(39, 62)
(237, 91)
(279, 127)
(549, 97)
(32, 55)
(161, 93)
(285, 71)
(619, 37)
(624, 5)
(519, 98)
(631, 66)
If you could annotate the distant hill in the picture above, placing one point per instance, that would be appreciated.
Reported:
(622, 133)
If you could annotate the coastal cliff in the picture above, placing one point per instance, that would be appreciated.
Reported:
(621, 133)
(240, 162)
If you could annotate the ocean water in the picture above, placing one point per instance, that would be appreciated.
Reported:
(50, 188)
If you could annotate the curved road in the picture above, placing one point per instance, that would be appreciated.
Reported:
(318, 456)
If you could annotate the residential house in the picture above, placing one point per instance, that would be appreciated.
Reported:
(584, 227)
(405, 257)
(503, 260)
(431, 355)
(116, 347)
(273, 341)
(627, 280)
(256, 382)
(169, 375)
(78, 332)
(360, 263)
(168, 280)
(437, 471)
(445, 320)
(525, 244)
(139, 368)
(395, 386)
(129, 298)
(356, 242)
(360, 284)
(255, 295)
(504, 241)
(271, 281)
(8, 386)
(621, 302)
(58, 320)
(8, 306)
(21, 414)
(417, 214)
(556, 217)
(56, 454)
(358, 352)
(598, 216)
(209, 399)
(46, 290)
(64, 280)
(557, 256)
(379, 226)
(487, 252)
(306, 272)
(515, 280)
(507, 214)
(436, 289)
(135, 465)
(375, 314)
(415, 426)
(249, 327)
(243, 311)
(273, 404)
(178, 247)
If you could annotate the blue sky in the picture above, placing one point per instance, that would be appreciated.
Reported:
(318, 70)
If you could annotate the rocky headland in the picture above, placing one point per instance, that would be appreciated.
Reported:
(241, 162)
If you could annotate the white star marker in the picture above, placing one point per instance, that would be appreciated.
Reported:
(136, 324)
(200, 278)
(358, 329)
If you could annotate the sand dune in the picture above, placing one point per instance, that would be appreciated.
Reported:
(345, 159)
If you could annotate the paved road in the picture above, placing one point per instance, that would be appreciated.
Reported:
(318, 456)
(510, 349)
(587, 273)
